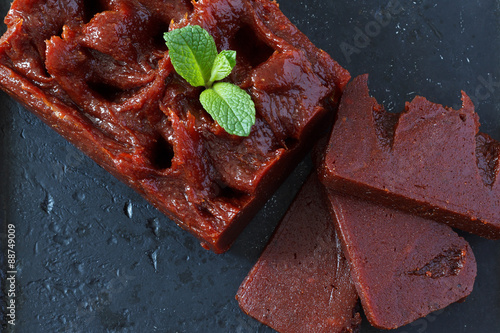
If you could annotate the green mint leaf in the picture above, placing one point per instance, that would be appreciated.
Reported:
(223, 65)
(194, 56)
(193, 52)
(230, 56)
(230, 106)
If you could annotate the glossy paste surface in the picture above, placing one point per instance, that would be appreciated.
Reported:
(98, 72)
(302, 281)
(404, 267)
(429, 160)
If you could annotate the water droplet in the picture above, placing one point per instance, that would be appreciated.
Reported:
(62, 240)
(154, 225)
(48, 203)
(54, 227)
(80, 268)
(79, 196)
(112, 240)
(127, 209)
(81, 231)
(154, 258)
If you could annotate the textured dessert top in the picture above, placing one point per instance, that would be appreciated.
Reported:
(99, 73)
(302, 281)
(404, 266)
(429, 160)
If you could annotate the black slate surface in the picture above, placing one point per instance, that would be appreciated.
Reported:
(93, 256)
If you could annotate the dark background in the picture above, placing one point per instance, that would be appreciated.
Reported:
(93, 256)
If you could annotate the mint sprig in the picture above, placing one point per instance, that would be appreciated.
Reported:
(194, 56)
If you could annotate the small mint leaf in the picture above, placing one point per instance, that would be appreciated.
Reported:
(230, 55)
(192, 51)
(223, 65)
(230, 106)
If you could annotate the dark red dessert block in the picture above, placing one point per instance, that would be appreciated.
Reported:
(99, 73)
(403, 266)
(429, 160)
(302, 282)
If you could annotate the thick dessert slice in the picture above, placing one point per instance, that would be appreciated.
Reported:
(98, 72)
(429, 160)
(302, 282)
(403, 266)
